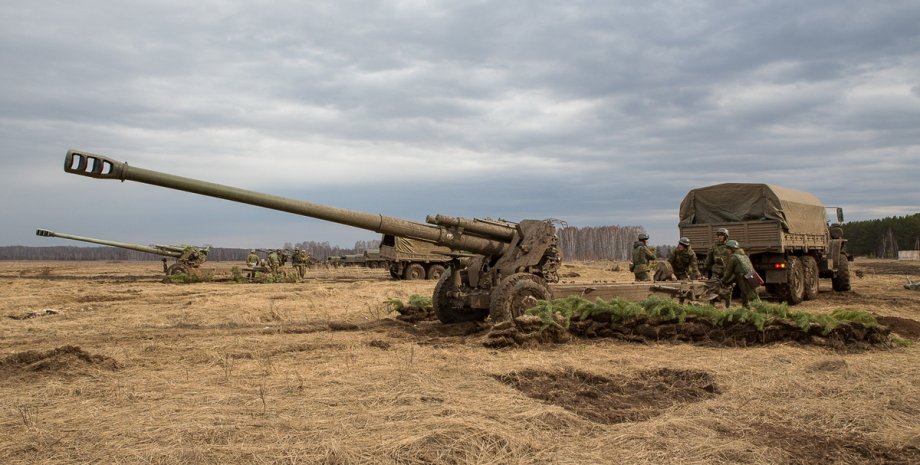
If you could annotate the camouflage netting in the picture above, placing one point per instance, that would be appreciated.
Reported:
(797, 211)
(659, 319)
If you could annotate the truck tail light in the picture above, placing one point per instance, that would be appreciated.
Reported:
(779, 266)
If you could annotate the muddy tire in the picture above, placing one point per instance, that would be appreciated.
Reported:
(811, 277)
(435, 272)
(450, 310)
(177, 269)
(414, 271)
(841, 280)
(794, 289)
(515, 294)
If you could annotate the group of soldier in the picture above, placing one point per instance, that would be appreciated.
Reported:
(276, 260)
(725, 262)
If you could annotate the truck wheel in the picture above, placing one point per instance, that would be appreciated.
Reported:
(449, 309)
(841, 280)
(414, 271)
(794, 289)
(516, 294)
(435, 272)
(811, 277)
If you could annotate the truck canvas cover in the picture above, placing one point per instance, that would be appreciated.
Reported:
(413, 247)
(798, 212)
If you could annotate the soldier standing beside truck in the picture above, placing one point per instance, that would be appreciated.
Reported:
(718, 255)
(738, 266)
(642, 256)
(683, 261)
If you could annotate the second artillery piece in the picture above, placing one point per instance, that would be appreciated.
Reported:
(188, 258)
(498, 269)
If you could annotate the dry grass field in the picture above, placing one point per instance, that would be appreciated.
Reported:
(128, 369)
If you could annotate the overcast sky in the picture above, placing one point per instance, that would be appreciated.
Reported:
(592, 112)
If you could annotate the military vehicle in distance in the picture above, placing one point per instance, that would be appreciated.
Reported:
(496, 270)
(785, 233)
(414, 259)
(188, 258)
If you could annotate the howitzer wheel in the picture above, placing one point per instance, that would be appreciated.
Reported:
(414, 271)
(841, 280)
(811, 277)
(435, 272)
(515, 294)
(177, 269)
(449, 309)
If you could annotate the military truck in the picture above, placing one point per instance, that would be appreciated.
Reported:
(373, 259)
(785, 232)
(413, 259)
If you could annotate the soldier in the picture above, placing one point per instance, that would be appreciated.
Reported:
(299, 260)
(683, 261)
(274, 262)
(718, 255)
(252, 261)
(738, 266)
(641, 258)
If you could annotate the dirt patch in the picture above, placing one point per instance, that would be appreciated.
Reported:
(383, 345)
(890, 267)
(828, 366)
(615, 399)
(413, 314)
(30, 315)
(65, 359)
(904, 327)
(807, 447)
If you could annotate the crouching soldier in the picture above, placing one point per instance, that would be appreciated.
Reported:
(683, 261)
(737, 267)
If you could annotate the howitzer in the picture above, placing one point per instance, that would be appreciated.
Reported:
(514, 263)
(188, 258)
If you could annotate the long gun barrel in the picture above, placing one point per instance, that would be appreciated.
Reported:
(98, 166)
(123, 245)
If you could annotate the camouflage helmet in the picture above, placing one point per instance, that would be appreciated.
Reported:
(643, 237)
(732, 244)
(684, 241)
(722, 231)
(252, 251)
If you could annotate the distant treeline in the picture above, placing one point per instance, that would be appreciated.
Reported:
(883, 238)
(585, 243)
(598, 242)
(318, 250)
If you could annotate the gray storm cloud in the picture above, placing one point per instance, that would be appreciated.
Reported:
(594, 112)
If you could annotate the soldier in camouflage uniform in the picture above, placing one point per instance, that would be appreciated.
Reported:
(683, 261)
(739, 265)
(274, 262)
(252, 261)
(641, 258)
(299, 260)
(717, 258)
